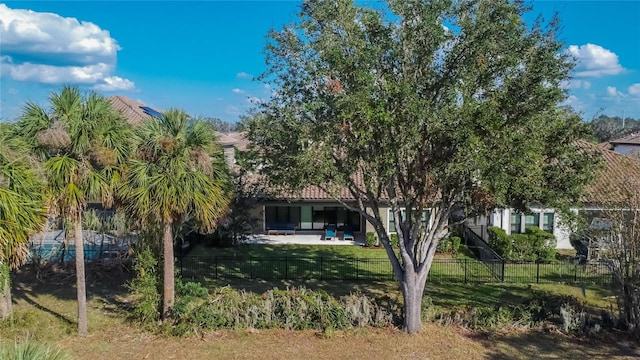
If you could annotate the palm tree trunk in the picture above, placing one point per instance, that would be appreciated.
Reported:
(168, 295)
(6, 307)
(80, 277)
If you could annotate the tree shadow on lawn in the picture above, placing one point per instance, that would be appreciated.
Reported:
(538, 344)
(106, 284)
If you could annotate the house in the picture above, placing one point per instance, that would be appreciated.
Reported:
(619, 175)
(134, 111)
(628, 145)
(311, 210)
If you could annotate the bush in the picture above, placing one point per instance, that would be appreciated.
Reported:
(29, 350)
(566, 313)
(145, 287)
(370, 240)
(393, 239)
(444, 245)
(544, 243)
(294, 309)
(455, 243)
(534, 245)
(499, 241)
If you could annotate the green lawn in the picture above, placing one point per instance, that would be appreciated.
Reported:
(342, 262)
(305, 262)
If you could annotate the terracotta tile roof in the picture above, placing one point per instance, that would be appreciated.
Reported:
(130, 108)
(615, 180)
(631, 139)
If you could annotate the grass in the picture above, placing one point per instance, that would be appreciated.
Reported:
(45, 311)
(355, 263)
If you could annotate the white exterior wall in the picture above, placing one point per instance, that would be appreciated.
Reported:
(627, 149)
(502, 219)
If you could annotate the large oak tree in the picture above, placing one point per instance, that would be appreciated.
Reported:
(420, 105)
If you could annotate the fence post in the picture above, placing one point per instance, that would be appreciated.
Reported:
(286, 269)
(537, 272)
(502, 277)
(321, 277)
(357, 269)
(181, 269)
(465, 270)
(215, 258)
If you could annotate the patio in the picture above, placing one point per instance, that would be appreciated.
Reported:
(306, 238)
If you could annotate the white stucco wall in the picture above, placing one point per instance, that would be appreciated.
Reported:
(627, 149)
(502, 219)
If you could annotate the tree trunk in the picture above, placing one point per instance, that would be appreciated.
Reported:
(412, 286)
(6, 307)
(168, 295)
(80, 278)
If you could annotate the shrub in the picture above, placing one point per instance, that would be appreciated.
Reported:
(534, 245)
(145, 287)
(29, 350)
(444, 245)
(393, 239)
(293, 309)
(544, 243)
(566, 313)
(455, 243)
(499, 241)
(370, 240)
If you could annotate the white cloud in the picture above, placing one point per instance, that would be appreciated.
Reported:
(595, 61)
(50, 74)
(48, 48)
(634, 89)
(612, 91)
(238, 91)
(577, 84)
(115, 83)
(244, 75)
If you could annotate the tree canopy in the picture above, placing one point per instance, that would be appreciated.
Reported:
(438, 106)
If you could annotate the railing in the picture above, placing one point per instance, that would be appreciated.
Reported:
(465, 270)
(484, 253)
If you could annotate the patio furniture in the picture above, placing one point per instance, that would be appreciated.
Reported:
(281, 229)
(330, 232)
(348, 233)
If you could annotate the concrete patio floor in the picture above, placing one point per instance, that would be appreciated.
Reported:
(303, 239)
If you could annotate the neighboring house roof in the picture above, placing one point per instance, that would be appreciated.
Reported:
(631, 139)
(235, 139)
(618, 178)
(133, 110)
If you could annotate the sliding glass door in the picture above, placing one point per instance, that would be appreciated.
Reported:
(312, 217)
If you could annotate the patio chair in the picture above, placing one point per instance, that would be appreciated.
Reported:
(348, 233)
(330, 232)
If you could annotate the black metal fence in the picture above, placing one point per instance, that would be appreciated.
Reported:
(465, 270)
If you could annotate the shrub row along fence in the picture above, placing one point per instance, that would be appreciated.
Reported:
(465, 270)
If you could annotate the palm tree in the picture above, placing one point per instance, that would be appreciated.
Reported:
(178, 174)
(82, 142)
(21, 209)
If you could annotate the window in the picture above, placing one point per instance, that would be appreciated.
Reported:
(547, 222)
(516, 223)
(426, 215)
(532, 220)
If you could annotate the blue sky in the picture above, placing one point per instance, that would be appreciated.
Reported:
(201, 56)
